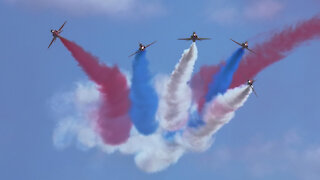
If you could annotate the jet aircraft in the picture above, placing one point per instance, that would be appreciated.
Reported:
(243, 45)
(250, 83)
(194, 37)
(56, 33)
(142, 48)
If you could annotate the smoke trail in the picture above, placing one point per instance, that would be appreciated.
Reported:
(113, 122)
(222, 80)
(217, 113)
(276, 48)
(82, 103)
(220, 83)
(177, 97)
(200, 83)
(143, 97)
(152, 153)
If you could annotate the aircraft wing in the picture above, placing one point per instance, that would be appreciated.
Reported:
(254, 91)
(62, 25)
(134, 53)
(236, 42)
(203, 39)
(186, 39)
(251, 51)
(53, 39)
(151, 44)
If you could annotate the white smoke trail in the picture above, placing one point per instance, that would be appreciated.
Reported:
(176, 100)
(152, 153)
(217, 113)
(79, 126)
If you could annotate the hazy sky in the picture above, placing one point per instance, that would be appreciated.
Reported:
(274, 136)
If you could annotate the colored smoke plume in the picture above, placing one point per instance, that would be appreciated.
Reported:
(272, 50)
(113, 122)
(152, 153)
(178, 97)
(143, 96)
(217, 113)
(222, 80)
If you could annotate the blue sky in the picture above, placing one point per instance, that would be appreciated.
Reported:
(274, 136)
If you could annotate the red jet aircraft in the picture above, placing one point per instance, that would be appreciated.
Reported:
(243, 45)
(56, 33)
(142, 48)
(250, 83)
(194, 37)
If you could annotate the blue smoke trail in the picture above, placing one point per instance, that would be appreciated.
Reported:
(222, 80)
(220, 84)
(144, 100)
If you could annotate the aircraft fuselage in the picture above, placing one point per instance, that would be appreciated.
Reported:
(142, 47)
(250, 82)
(194, 37)
(55, 33)
(245, 45)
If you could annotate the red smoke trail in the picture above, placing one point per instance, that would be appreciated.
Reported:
(113, 121)
(269, 52)
(200, 83)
